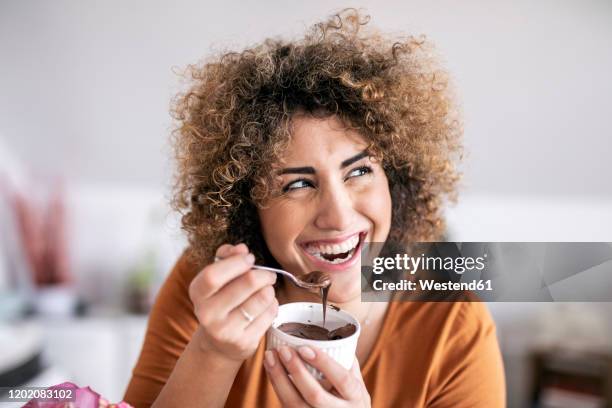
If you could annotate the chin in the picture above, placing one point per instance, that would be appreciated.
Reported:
(341, 292)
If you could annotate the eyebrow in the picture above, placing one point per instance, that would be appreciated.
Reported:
(311, 170)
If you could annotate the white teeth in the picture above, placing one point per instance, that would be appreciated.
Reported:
(337, 260)
(347, 246)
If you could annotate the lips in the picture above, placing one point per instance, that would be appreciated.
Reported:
(335, 254)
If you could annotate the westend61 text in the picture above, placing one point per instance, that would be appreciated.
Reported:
(424, 284)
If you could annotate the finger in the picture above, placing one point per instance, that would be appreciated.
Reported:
(237, 329)
(356, 370)
(244, 316)
(343, 380)
(257, 303)
(240, 321)
(306, 383)
(252, 290)
(226, 250)
(214, 276)
(223, 250)
(262, 322)
(284, 388)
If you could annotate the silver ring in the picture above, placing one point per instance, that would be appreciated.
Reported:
(246, 315)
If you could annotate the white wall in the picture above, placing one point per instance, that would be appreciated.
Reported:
(85, 90)
(85, 86)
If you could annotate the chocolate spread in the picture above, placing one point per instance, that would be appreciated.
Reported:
(314, 332)
(321, 280)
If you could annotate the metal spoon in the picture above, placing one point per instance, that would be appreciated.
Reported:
(314, 280)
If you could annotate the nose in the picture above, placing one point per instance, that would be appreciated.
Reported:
(336, 209)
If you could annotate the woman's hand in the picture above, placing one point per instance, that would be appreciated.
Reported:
(341, 387)
(234, 304)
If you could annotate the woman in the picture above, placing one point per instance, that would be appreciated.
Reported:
(293, 154)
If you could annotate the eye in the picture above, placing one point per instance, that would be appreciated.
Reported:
(359, 171)
(296, 185)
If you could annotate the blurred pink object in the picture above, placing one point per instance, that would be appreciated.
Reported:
(43, 235)
(84, 398)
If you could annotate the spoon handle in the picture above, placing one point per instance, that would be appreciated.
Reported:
(275, 270)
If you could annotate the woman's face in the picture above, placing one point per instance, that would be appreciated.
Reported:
(334, 198)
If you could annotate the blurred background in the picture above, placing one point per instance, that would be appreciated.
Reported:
(87, 236)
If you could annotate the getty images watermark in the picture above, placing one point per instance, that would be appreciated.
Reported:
(487, 271)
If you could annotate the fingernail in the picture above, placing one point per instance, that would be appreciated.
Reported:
(250, 258)
(285, 354)
(269, 357)
(307, 353)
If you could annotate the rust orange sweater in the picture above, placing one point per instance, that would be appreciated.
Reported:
(427, 354)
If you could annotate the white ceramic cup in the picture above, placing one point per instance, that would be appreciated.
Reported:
(341, 350)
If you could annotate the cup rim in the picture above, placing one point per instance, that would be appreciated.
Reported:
(318, 343)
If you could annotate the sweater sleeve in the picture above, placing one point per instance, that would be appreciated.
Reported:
(470, 373)
(171, 325)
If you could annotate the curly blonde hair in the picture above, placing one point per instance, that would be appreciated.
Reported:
(234, 124)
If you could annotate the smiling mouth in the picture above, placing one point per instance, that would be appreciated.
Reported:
(335, 253)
